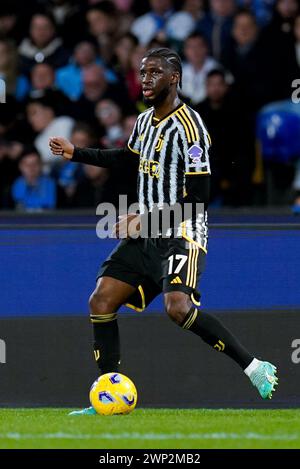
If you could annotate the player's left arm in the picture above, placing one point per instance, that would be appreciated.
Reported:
(195, 147)
(197, 189)
(195, 156)
(197, 193)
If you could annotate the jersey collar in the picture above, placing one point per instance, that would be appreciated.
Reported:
(156, 122)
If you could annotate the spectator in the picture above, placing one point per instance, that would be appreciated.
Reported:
(110, 119)
(216, 25)
(42, 45)
(196, 67)
(262, 9)
(103, 185)
(12, 20)
(183, 23)
(90, 190)
(123, 178)
(100, 84)
(153, 23)
(281, 26)
(33, 191)
(124, 6)
(133, 78)
(244, 60)
(158, 41)
(102, 19)
(95, 88)
(296, 54)
(69, 78)
(16, 85)
(83, 136)
(9, 152)
(123, 51)
(41, 114)
(42, 77)
(68, 17)
(125, 181)
(128, 125)
(68, 174)
(290, 63)
(277, 44)
(125, 15)
(13, 126)
(43, 80)
(231, 157)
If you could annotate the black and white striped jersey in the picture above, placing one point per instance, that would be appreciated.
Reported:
(169, 149)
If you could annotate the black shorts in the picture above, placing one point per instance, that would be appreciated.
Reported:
(156, 265)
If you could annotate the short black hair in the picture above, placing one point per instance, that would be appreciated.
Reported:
(245, 11)
(46, 14)
(130, 36)
(105, 6)
(45, 98)
(197, 35)
(85, 127)
(220, 72)
(29, 150)
(170, 56)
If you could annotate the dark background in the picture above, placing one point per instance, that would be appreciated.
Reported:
(47, 271)
(50, 362)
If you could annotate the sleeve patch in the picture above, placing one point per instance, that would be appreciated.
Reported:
(195, 152)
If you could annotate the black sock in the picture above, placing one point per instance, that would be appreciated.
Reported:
(212, 331)
(106, 342)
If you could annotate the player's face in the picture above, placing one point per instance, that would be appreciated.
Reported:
(157, 79)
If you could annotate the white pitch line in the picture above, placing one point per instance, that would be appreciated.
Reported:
(149, 436)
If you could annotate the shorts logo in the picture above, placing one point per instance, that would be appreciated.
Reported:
(195, 153)
(176, 280)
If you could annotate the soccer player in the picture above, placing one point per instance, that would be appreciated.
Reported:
(170, 146)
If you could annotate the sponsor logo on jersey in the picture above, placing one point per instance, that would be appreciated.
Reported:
(150, 167)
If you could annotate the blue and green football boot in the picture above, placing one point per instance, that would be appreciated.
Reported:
(86, 411)
(264, 379)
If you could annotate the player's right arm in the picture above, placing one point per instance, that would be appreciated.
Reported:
(104, 158)
(61, 147)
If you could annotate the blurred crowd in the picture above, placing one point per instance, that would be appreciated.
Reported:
(71, 69)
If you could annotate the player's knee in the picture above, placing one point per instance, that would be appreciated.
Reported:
(176, 307)
(100, 304)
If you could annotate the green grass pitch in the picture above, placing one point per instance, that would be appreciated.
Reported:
(151, 428)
